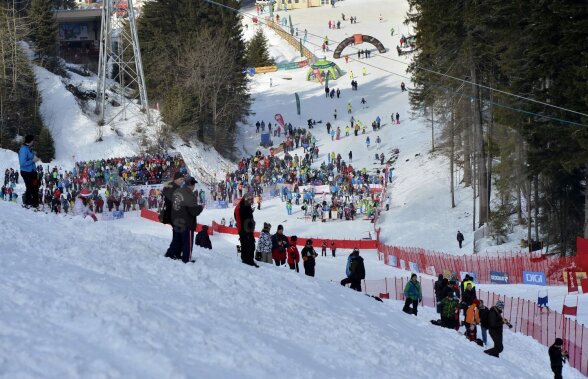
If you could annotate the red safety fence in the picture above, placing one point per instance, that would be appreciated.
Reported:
(511, 264)
(339, 243)
(525, 316)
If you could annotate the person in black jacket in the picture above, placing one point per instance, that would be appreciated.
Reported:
(308, 256)
(459, 238)
(495, 322)
(355, 271)
(185, 209)
(175, 247)
(246, 226)
(557, 358)
(439, 293)
(203, 239)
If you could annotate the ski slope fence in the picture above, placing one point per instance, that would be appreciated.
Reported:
(367, 244)
(510, 265)
(525, 316)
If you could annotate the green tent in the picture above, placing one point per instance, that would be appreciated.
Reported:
(325, 67)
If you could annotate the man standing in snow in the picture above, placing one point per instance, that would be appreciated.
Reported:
(459, 238)
(245, 227)
(557, 358)
(413, 294)
(355, 271)
(495, 322)
(308, 256)
(28, 171)
(185, 209)
(175, 247)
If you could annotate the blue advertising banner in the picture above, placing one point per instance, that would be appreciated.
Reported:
(537, 278)
(498, 277)
(413, 267)
(392, 261)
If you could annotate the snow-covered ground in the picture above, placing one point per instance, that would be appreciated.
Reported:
(85, 300)
(77, 305)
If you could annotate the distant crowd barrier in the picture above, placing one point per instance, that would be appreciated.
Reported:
(504, 268)
(366, 244)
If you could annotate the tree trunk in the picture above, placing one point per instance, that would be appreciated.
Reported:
(432, 129)
(452, 157)
(482, 175)
(536, 205)
(467, 146)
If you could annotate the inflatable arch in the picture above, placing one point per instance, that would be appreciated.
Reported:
(357, 39)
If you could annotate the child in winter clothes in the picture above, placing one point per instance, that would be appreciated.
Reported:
(264, 244)
(293, 254)
(472, 319)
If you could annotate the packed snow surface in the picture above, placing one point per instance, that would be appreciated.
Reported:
(98, 300)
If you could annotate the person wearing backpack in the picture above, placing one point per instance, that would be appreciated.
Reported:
(495, 322)
(413, 294)
(175, 247)
(448, 309)
(355, 271)
(472, 319)
(185, 209)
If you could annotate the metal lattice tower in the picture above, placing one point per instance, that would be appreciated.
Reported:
(119, 49)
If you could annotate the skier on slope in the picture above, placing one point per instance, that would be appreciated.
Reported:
(367, 142)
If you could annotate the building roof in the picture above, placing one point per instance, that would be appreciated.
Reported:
(77, 15)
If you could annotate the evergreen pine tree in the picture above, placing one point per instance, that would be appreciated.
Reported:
(45, 146)
(257, 51)
(44, 28)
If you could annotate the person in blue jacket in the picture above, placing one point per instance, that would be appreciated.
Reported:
(28, 171)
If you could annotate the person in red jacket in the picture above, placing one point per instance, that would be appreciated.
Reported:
(293, 254)
(333, 248)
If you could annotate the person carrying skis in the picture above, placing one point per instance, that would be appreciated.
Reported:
(308, 256)
(293, 254)
(264, 244)
(355, 271)
(413, 294)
